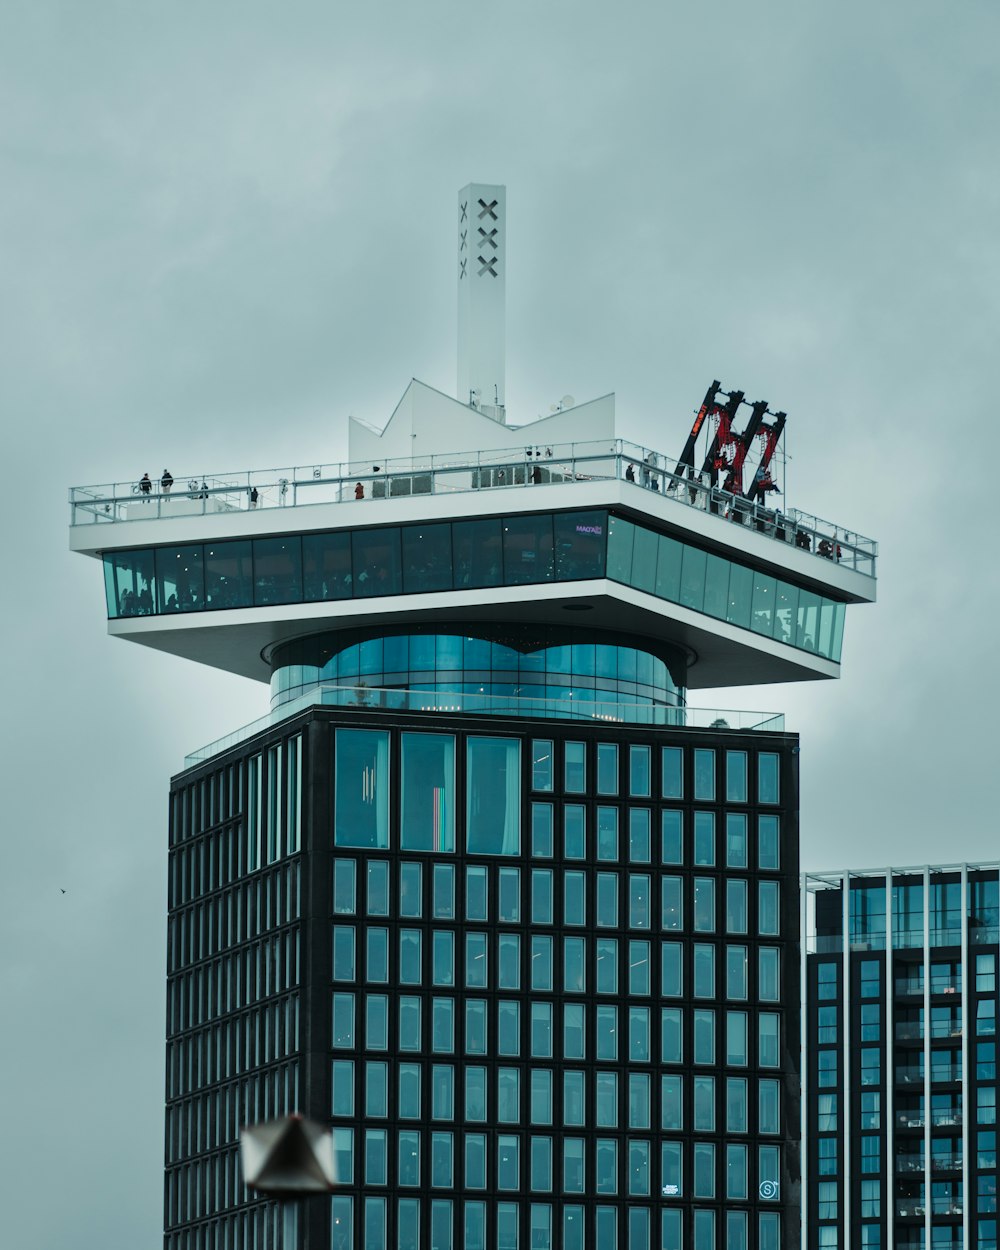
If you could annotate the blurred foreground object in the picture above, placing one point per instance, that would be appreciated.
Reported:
(287, 1158)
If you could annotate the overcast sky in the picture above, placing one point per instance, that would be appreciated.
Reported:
(225, 226)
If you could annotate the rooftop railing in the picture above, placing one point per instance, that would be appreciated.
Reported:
(372, 698)
(564, 464)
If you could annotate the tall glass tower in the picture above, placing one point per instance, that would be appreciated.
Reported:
(481, 890)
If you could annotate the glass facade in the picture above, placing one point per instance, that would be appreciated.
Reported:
(533, 1021)
(540, 662)
(530, 549)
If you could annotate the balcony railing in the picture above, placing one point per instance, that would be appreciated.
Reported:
(372, 698)
(562, 464)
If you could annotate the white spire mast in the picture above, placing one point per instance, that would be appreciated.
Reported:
(482, 265)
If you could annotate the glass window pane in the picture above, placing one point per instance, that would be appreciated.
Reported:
(477, 553)
(768, 910)
(704, 774)
(693, 579)
(541, 962)
(672, 903)
(426, 557)
(671, 1034)
(580, 539)
(574, 831)
(704, 905)
(672, 829)
(180, 579)
(607, 833)
(716, 587)
(736, 776)
(326, 566)
(476, 897)
(493, 803)
(575, 777)
(277, 570)
(541, 765)
(704, 838)
(378, 888)
(620, 538)
(740, 595)
(668, 569)
(228, 575)
(527, 549)
(427, 799)
(376, 560)
(767, 778)
(672, 772)
(639, 771)
(542, 839)
(361, 804)
(607, 768)
(644, 552)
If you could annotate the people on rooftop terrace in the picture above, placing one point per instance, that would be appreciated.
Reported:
(166, 481)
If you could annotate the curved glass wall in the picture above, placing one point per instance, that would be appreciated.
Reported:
(558, 665)
(528, 549)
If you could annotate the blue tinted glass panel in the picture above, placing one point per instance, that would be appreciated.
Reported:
(527, 549)
(826, 612)
(180, 578)
(326, 566)
(427, 800)
(361, 801)
(130, 584)
(228, 575)
(426, 558)
(767, 777)
(668, 569)
(477, 553)
(580, 544)
(807, 628)
(376, 562)
(672, 766)
(786, 605)
(762, 619)
(620, 537)
(704, 774)
(673, 836)
(493, 796)
(740, 596)
(277, 570)
(644, 550)
(693, 578)
(717, 587)
(838, 632)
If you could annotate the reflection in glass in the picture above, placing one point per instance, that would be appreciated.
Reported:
(361, 802)
(427, 799)
(493, 806)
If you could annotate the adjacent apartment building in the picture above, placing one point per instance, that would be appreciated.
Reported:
(899, 996)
